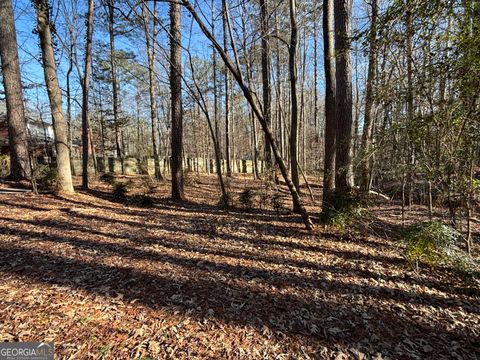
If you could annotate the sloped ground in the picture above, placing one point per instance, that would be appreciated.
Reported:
(106, 280)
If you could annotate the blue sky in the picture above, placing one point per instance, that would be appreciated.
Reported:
(29, 52)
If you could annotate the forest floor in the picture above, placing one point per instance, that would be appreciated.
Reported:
(107, 279)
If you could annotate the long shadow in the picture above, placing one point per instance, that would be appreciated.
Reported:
(193, 208)
(229, 301)
(8, 204)
(278, 279)
(453, 289)
(204, 227)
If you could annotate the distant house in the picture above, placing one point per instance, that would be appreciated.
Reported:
(40, 135)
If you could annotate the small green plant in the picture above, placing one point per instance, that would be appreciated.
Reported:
(142, 200)
(430, 242)
(246, 198)
(108, 178)
(4, 165)
(120, 189)
(225, 201)
(277, 202)
(47, 176)
(342, 210)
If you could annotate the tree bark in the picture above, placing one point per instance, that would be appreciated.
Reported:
(367, 136)
(267, 92)
(176, 94)
(343, 96)
(113, 69)
(228, 155)
(85, 94)
(330, 121)
(17, 127)
(152, 84)
(55, 97)
(292, 67)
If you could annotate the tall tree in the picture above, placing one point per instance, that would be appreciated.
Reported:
(367, 135)
(151, 81)
(343, 96)
(113, 69)
(227, 103)
(292, 68)
(249, 96)
(85, 93)
(17, 127)
(267, 92)
(55, 97)
(176, 98)
(330, 122)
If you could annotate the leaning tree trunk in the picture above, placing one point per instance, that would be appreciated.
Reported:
(343, 96)
(228, 155)
(55, 97)
(292, 68)
(367, 135)
(176, 94)
(152, 84)
(251, 100)
(12, 84)
(85, 94)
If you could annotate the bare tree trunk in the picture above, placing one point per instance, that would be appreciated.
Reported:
(176, 94)
(267, 92)
(343, 96)
(315, 76)
(330, 121)
(215, 90)
(69, 97)
(152, 83)
(367, 136)
(85, 93)
(17, 127)
(197, 95)
(250, 98)
(410, 97)
(292, 67)
(101, 121)
(227, 107)
(279, 109)
(55, 96)
(113, 69)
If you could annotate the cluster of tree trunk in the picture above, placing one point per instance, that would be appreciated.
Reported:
(397, 98)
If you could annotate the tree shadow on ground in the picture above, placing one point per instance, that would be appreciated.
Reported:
(305, 303)
(234, 302)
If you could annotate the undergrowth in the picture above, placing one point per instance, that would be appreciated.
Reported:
(434, 243)
(246, 198)
(342, 211)
(47, 176)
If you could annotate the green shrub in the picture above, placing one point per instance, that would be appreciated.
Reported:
(277, 202)
(108, 178)
(246, 198)
(342, 210)
(47, 176)
(4, 165)
(142, 200)
(430, 242)
(120, 189)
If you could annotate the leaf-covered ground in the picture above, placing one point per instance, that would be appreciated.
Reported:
(108, 279)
